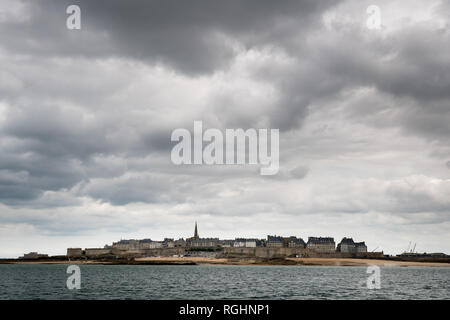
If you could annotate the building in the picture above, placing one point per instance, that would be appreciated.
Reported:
(137, 244)
(204, 243)
(347, 245)
(227, 243)
(151, 245)
(239, 243)
(245, 243)
(196, 231)
(294, 242)
(33, 255)
(180, 243)
(321, 244)
(127, 244)
(275, 242)
(168, 243)
(360, 247)
(74, 252)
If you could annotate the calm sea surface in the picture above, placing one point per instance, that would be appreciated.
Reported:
(222, 282)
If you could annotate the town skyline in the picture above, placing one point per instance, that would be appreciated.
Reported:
(291, 240)
(272, 246)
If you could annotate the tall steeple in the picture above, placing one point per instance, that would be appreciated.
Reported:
(196, 231)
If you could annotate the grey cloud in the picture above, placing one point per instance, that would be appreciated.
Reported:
(138, 187)
(50, 131)
(408, 65)
(297, 173)
(189, 36)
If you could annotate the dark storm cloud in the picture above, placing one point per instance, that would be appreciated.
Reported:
(46, 149)
(409, 65)
(25, 176)
(411, 62)
(190, 36)
(54, 147)
(49, 131)
(140, 188)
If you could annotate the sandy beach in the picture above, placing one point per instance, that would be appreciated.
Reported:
(365, 262)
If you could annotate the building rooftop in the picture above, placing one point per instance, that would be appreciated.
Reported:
(275, 239)
(296, 240)
(320, 240)
(347, 241)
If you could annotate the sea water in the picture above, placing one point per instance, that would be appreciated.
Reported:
(222, 282)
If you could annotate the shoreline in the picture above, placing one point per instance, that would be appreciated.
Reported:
(344, 262)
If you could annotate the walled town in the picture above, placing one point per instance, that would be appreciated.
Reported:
(272, 246)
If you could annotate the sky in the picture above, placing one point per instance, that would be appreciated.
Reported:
(86, 118)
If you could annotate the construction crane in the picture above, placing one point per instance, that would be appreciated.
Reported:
(414, 249)
(375, 249)
(409, 245)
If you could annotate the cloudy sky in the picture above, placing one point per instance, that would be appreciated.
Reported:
(86, 118)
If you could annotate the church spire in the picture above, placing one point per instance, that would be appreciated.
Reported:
(196, 231)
